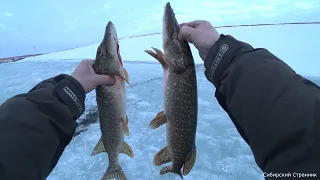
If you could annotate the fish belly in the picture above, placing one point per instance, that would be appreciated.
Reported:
(112, 111)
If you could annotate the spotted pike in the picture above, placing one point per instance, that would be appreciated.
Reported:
(181, 101)
(111, 101)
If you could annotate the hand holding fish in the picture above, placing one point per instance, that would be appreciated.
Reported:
(200, 33)
(86, 76)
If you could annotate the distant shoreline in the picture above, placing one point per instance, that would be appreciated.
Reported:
(16, 58)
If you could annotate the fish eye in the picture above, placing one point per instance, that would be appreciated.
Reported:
(100, 53)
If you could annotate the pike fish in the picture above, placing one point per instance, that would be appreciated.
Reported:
(111, 101)
(181, 100)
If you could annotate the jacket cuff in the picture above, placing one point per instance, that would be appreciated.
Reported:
(219, 58)
(71, 93)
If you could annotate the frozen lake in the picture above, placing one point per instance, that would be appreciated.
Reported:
(221, 152)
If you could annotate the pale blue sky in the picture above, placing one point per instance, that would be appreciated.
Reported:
(55, 25)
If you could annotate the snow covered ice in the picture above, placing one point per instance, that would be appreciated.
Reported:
(221, 152)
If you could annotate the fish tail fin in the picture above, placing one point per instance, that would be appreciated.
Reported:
(114, 172)
(188, 165)
(168, 169)
(158, 55)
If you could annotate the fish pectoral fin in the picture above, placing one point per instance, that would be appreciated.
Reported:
(125, 126)
(126, 149)
(114, 172)
(188, 165)
(158, 52)
(99, 148)
(162, 157)
(158, 121)
(123, 77)
(158, 55)
(125, 73)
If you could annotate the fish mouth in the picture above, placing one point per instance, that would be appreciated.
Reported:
(111, 29)
(111, 43)
(111, 32)
(108, 59)
(113, 49)
(109, 35)
(171, 27)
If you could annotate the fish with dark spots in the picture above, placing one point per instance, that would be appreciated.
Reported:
(181, 100)
(111, 101)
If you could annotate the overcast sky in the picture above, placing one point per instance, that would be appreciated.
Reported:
(44, 26)
(59, 24)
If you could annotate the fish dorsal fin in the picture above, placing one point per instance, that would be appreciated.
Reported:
(99, 148)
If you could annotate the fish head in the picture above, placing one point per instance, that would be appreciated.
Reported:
(176, 52)
(108, 59)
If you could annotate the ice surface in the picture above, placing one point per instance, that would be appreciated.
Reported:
(221, 152)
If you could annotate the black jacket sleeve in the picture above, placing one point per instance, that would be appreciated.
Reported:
(35, 127)
(275, 110)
